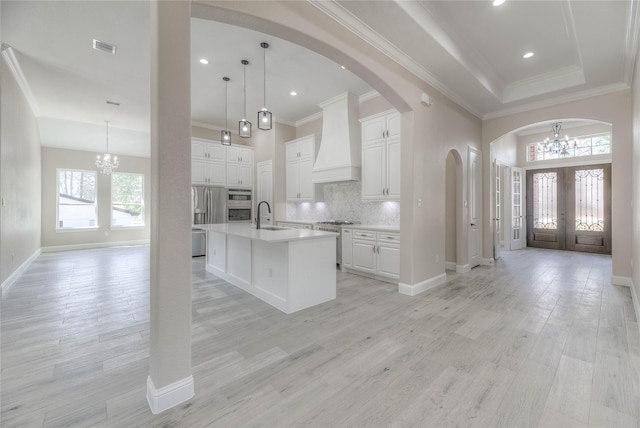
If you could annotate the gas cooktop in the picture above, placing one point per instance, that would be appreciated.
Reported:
(338, 222)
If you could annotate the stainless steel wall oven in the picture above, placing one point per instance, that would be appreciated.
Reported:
(239, 203)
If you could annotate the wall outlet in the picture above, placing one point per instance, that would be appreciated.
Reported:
(11, 256)
(437, 258)
(106, 233)
(270, 273)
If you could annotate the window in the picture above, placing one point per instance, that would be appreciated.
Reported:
(77, 206)
(591, 145)
(127, 200)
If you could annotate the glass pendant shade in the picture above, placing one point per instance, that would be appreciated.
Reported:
(225, 134)
(264, 119)
(225, 137)
(264, 115)
(106, 164)
(244, 126)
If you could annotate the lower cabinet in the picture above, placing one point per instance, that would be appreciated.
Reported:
(374, 253)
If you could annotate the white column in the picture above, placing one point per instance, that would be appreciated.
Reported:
(170, 382)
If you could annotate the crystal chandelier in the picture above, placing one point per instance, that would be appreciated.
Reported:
(557, 146)
(106, 164)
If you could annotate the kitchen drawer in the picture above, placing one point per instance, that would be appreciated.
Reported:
(363, 234)
(388, 237)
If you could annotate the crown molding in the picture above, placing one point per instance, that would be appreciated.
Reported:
(366, 33)
(602, 90)
(308, 119)
(205, 125)
(368, 96)
(12, 62)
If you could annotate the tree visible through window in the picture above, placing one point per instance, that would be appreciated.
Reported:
(76, 199)
(127, 199)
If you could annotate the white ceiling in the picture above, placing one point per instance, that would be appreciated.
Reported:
(469, 50)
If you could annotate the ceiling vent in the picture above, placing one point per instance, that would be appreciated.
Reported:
(105, 47)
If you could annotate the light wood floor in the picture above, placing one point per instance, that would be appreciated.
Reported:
(541, 339)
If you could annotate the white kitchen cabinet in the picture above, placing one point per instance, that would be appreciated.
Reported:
(217, 165)
(207, 172)
(208, 150)
(347, 248)
(375, 254)
(237, 154)
(381, 157)
(364, 252)
(239, 175)
(300, 156)
(208, 163)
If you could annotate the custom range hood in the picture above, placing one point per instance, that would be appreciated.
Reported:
(339, 155)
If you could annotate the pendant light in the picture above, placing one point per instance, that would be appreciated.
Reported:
(244, 126)
(225, 134)
(264, 115)
(105, 163)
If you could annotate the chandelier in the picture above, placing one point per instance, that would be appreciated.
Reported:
(264, 115)
(557, 146)
(106, 164)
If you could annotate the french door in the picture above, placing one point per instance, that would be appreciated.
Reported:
(570, 208)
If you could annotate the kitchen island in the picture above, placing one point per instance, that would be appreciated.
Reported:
(291, 269)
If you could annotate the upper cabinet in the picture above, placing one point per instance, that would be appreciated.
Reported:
(216, 165)
(381, 157)
(300, 156)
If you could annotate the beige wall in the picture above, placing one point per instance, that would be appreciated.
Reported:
(19, 178)
(634, 233)
(450, 209)
(614, 108)
(59, 158)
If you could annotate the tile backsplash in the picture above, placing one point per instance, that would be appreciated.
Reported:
(343, 201)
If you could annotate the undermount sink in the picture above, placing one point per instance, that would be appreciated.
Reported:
(274, 228)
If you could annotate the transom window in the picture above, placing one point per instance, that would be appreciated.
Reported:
(77, 202)
(591, 145)
(127, 200)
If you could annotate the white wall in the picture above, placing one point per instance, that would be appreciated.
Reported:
(19, 178)
(52, 159)
(634, 232)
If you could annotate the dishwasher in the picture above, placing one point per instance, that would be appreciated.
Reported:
(198, 242)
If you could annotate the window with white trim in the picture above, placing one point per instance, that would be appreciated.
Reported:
(591, 145)
(77, 199)
(127, 200)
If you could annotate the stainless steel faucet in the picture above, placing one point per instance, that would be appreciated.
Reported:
(258, 219)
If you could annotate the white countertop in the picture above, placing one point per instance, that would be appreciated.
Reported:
(249, 231)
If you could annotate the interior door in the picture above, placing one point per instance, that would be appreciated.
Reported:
(516, 209)
(475, 207)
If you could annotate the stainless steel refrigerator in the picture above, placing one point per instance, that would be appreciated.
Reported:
(208, 206)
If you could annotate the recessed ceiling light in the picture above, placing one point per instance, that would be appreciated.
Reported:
(527, 55)
(498, 2)
(204, 61)
(343, 67)
(294, 93)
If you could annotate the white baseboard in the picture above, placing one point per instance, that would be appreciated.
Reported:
(636, 304)
(71, 247)
(463, 268)
(450, 265)
(427, 284)
(7, 283)
(488, 262)
(169, 396)
(621, 280)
